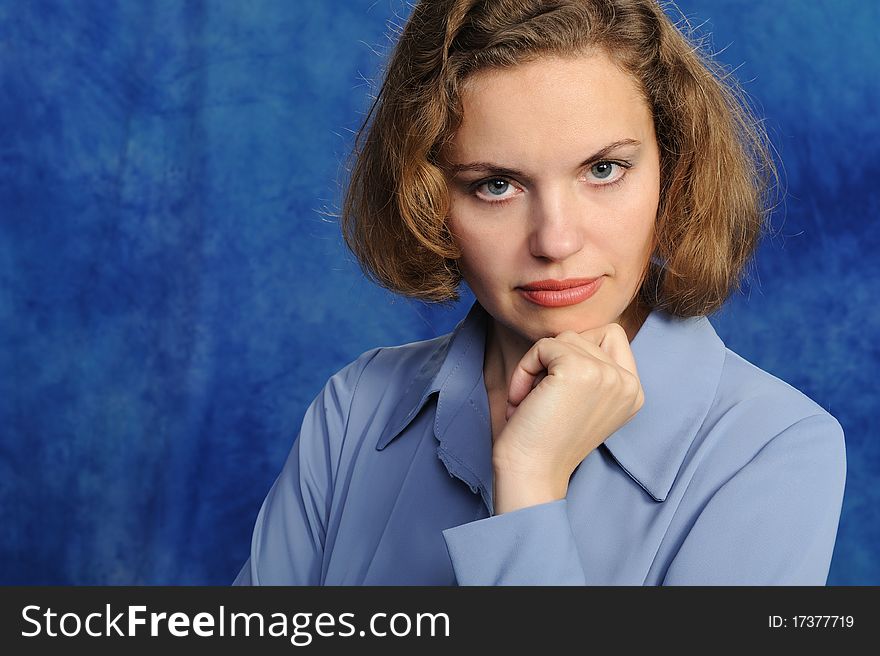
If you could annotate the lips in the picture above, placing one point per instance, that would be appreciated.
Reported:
(559, 293)
(556, 285)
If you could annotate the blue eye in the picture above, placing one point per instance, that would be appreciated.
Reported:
(605, 174)
(608, 174)
(501, 189)
(497, 185)
(602, 170)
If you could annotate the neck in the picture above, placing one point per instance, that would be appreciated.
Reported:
(505, 348)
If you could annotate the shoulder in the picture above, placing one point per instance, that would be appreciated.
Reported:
(365, 393)
(746, 385)
(406, 361)
(384, 373)
(755, 411)
(398, 362)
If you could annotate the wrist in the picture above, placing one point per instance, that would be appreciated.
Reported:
(513, 491)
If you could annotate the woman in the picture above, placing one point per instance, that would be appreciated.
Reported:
(600, 191)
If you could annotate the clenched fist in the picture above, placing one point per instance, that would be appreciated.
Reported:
(566, 396)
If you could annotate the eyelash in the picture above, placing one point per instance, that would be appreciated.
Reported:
(497, 203)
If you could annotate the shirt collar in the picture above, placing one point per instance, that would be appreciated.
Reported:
(679, 363)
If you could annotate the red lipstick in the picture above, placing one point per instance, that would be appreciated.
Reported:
(559, 293)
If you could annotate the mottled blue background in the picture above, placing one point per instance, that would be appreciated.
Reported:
(173, 293)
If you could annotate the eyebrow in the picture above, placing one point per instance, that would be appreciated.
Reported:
(497, 169)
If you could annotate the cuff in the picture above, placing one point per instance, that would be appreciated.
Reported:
(528, 546)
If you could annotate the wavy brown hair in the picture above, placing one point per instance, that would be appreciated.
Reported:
(716, 172)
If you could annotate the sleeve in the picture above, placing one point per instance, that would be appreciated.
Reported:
(528, 546)
(287, 546)
(775, 521)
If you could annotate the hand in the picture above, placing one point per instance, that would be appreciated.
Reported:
(566, 396)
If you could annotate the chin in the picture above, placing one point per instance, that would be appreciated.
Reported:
(575, 320)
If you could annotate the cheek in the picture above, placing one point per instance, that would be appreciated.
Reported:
(479, 257)
(640, 215)
(628, 222)
(464, 240)
(472, 239)
(485, 251)
(630, 237)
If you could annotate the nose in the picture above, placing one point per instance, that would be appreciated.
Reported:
(557, 230)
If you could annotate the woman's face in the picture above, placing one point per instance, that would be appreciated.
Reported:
(554, 174)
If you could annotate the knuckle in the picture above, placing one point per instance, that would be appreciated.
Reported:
(639, 402)
(618, 329)
(544, 341)
(591, 374)
(636, 391)
(631, 384)
(608, 377)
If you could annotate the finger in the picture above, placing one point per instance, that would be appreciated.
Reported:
(544, 355)
(539, 378)
(612, 340)
(613, 348)
(585, 345)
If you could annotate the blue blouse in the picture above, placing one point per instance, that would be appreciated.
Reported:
(726, 476)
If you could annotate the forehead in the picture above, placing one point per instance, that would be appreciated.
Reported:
(550, 104)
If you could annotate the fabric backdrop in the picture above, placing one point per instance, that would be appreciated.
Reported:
(174, 290)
